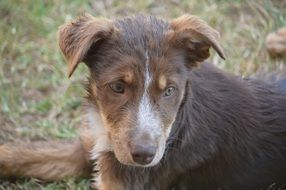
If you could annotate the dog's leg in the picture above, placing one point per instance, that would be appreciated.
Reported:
(44, 160)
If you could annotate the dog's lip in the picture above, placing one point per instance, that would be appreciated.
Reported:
(140, 165)
(134, 164)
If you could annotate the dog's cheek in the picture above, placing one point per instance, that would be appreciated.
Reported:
(120, 147)
(118, 122)
(119, 135)
(169, 110)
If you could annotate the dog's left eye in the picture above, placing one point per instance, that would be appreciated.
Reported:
(169, 91)
(117, 87)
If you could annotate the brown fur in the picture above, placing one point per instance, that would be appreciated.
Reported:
(218, 131)
(199, 36)
(46, 161)
(76, 38)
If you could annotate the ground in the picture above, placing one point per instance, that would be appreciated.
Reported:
(39, 102)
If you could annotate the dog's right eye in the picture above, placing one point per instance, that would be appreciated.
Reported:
(117, 87)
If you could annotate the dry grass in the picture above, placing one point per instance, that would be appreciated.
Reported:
(38, 101)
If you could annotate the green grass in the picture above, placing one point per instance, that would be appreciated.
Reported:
(38, 101)
(34, 184)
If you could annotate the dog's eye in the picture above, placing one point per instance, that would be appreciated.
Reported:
(169, 91)
(117, 87)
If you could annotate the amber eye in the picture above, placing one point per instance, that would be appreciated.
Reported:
(169, 91)
(117, 87)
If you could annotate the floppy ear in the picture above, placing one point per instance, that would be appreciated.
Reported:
(76, 38)
(196, 36)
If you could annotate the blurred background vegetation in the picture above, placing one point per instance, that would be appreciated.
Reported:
(39, 102)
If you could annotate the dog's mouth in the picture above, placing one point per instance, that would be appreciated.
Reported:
(157, 157)
(144, 149)
(138, 153)
(150, 160)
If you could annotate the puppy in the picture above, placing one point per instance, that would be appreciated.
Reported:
(158, 117)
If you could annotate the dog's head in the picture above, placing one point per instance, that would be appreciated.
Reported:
(139, 69)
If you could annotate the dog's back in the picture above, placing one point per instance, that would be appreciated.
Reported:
(237, 132)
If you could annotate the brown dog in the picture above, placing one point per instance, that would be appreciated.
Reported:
(157, 116)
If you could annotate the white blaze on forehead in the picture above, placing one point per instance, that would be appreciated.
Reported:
(146, 117)
(148, 121)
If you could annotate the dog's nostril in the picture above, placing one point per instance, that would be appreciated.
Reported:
(143, 154)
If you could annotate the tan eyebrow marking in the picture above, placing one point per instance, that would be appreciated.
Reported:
(128, 77)
(162, 82)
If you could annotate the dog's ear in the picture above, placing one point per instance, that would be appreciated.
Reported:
(196, 36)
(77, 37)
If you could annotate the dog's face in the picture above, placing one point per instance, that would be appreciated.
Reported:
(139, 70)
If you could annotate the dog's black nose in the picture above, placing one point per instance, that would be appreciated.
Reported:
(143, 154)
